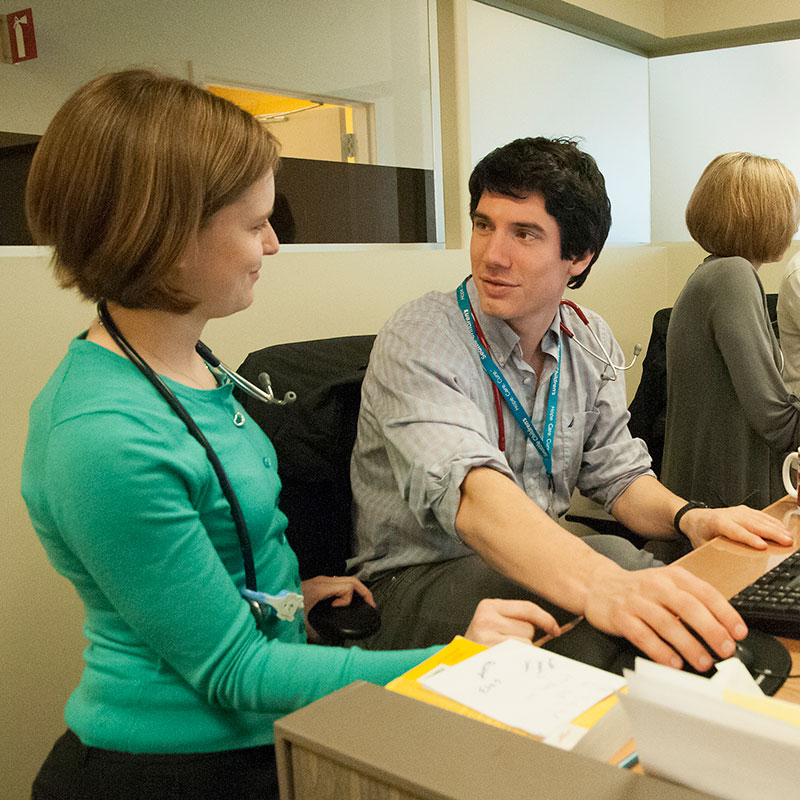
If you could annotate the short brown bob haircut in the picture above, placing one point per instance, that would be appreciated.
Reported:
(744, 205)
(132, 166)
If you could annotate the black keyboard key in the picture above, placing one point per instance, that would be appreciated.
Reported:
(772, 603)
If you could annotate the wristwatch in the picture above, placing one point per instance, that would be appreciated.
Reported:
(676, 522)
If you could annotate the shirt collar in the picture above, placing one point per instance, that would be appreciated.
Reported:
(500, 335)
(552, 336)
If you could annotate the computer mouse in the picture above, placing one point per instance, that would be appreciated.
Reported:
(766, 659)
(337, 623)
(744, 650)
(745, 653)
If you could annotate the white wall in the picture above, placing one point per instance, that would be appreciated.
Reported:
(528, 79)
(652, 125)
(301, 294)
(704, 104)
(299, 46)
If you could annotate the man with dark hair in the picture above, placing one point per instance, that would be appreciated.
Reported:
(483, 409)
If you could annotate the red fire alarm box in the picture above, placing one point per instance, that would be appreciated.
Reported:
(17, 36)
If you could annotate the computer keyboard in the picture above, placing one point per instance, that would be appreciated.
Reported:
(772, 603)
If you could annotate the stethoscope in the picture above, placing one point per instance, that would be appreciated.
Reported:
(284, 604)
(605, 359)
(265, 394)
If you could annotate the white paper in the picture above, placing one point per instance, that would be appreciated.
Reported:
(734, 675)
(524, 687)
(566, 738)
(686, 732)
(730, 674)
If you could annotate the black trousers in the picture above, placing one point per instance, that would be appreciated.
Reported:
(74, 771)
(431, 603)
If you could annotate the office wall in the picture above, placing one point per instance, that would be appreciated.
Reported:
(671, 18)
(546, 81)
(529, 79)
(684, 17)
(704, 104)
(300, 295)
(646, 15)
(296, 46)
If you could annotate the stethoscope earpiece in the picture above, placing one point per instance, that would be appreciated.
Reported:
(265, 394)
(266, 385)
(605, 358)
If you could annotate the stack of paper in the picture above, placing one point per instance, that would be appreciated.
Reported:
(718, 735)
(524, 687)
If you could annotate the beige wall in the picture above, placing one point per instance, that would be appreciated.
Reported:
(300, 296)
(686, 17)
(646, 15)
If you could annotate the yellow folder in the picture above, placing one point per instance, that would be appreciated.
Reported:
(458, 650)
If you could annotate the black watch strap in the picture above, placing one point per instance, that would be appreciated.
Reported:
(676, 522)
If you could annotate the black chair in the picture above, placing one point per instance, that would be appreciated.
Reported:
(648, 409)
(772, 308)
(313, 438)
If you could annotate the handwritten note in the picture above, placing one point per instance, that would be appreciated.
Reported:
(523, 686)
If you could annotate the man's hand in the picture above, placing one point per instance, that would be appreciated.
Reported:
(497, 620)
(652, 608)
(648, 508)
(738, 523)
(649, 607)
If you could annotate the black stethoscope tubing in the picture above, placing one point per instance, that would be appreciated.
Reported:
(176, 405)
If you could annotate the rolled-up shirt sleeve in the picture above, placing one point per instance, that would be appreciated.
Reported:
(428, 417)
(433, 430)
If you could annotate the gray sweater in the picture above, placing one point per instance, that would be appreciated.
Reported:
(730, 418)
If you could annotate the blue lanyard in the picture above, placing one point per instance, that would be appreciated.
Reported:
(543, 446)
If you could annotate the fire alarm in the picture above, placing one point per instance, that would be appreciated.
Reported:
(17, 37)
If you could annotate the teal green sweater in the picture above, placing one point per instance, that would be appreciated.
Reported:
(128, 508)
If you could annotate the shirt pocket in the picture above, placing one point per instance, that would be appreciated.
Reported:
(578, 428)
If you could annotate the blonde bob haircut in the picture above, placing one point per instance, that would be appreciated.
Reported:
(744, 205)
(132, 166)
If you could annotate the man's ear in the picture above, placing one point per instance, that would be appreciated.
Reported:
(579, 264)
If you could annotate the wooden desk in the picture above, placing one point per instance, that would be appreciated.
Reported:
(730, 567)
(366, 743)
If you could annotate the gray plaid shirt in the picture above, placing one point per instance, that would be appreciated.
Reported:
(428, 417)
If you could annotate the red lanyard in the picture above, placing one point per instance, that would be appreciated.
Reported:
(498, 402)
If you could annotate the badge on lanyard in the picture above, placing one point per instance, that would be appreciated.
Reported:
(543, 445)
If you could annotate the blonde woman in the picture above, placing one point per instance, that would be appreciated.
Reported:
(730, 418)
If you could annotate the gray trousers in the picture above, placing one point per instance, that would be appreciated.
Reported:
(429, 604)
